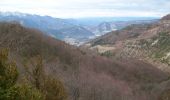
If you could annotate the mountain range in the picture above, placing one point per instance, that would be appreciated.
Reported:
(130, 62)
(73, 31)
(85, 75)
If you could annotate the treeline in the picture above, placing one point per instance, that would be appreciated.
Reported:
(35, 85)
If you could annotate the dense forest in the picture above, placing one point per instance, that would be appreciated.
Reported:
(34, 66)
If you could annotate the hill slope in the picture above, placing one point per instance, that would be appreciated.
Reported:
(85, 76)
(149, 42)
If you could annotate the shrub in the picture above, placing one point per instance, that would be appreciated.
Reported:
(54, 89)
(27, 92)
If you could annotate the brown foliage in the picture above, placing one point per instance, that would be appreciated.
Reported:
(84, 76)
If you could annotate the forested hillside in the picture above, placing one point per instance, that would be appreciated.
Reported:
(54, 70)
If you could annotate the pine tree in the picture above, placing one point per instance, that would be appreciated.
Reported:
(9, 90)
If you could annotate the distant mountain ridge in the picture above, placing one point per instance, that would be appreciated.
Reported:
(105, 27)
(58, 28)
(73, 31)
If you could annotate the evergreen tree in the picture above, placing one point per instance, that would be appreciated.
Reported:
(9, 90)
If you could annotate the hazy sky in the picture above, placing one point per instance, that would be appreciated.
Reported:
(88, 8)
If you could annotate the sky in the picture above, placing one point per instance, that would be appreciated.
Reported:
(88, 8)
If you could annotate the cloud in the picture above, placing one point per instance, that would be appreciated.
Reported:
(88, 8)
